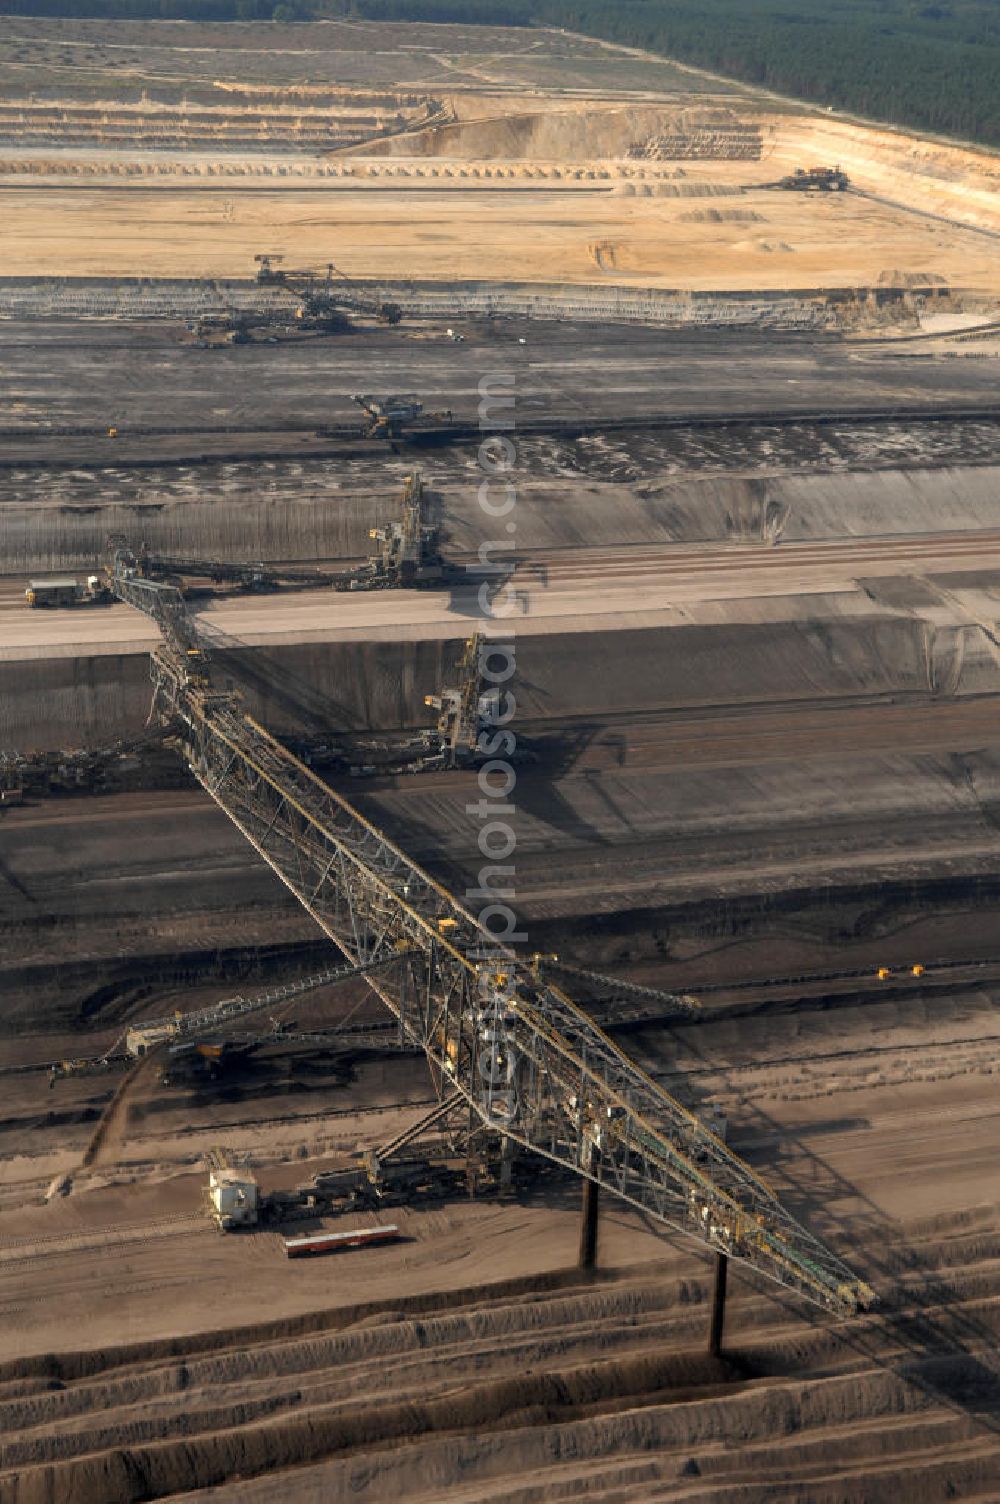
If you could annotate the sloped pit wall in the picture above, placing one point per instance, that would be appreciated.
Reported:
(310, 688)
(49, 530)
(318, 688)
(133, 298)
(311, 513)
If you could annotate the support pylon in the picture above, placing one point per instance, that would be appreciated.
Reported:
(718, 1306)
(589, 1209)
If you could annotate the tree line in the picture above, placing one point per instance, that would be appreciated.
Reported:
(928, 64)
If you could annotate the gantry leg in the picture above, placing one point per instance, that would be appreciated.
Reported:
(588, 1224)
(718, 1306)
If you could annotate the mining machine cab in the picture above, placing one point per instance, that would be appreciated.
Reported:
(318, 300)
(233, 1195)
(318, 307)
(409, 555)
(394, 417)
(68, 591)
(217, 330)
(816, 179)
(463, 710)
(269, 272)
(387, 416)
(387, 312)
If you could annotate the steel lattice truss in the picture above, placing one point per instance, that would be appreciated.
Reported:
(532, 1066)
(237, 1009)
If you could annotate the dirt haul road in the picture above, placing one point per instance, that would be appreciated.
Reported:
(610, 588)
(472, 1362)
(792, 240)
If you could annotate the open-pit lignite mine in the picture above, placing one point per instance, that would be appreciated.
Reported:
(369, 389)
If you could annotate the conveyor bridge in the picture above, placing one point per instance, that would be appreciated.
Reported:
(530, 1065)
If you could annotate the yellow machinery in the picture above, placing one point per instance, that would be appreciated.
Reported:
(461, 709)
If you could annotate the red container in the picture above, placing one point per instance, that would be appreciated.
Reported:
(336, 1242)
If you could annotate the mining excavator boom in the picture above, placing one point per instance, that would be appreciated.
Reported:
(318, 300)
(815, 179)
(249, 576)
(394, 417)
(408, 556)
(532, 1067)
